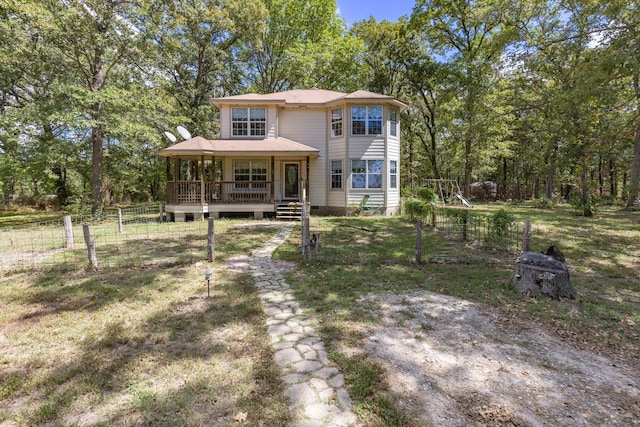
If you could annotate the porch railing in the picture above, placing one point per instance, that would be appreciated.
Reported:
(227, 192)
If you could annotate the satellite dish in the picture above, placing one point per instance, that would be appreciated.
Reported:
(183, 132)
(171, 137)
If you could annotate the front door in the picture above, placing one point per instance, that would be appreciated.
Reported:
(291, 181)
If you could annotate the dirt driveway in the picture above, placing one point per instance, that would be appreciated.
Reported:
(453, 365)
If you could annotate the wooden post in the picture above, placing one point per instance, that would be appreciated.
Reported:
(419, 241)
(120, 229)
(68, 232)
(91, 247)
(306, 252)
(526, 236)
(161, 219)
(203, 197)
(306, 247)
(211, 250)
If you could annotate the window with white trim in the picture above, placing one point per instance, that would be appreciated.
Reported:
(336, 174)
(248, 121)
(336, 122)
(393, 174)
(366, 173)
(393, 122)
(249, 171)
(366, 120)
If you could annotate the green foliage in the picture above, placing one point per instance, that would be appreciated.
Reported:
(427, 194)
(503, 229)
(421, 204)
(584, 205)
(502, 223)
(544, 203)
(414, 208)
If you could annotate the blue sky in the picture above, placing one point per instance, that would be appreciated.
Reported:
(357, 10)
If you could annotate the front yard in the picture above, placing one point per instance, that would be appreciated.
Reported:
(143, 345)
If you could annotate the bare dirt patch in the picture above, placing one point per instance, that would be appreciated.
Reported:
(454, 365)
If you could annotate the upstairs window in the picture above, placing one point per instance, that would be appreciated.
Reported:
(336, 122)
(393, 122)
(366, 120)
(248, 121)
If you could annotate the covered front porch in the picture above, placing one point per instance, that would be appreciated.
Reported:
(216, 178)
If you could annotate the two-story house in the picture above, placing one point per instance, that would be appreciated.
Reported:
(335, 149)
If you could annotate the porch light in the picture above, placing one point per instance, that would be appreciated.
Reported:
(207, 276)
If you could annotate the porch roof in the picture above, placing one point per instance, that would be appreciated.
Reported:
(244, 147)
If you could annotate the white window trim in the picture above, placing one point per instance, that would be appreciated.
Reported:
(393, 174)
(250, 133)
(331, 175)
(367, 120)
(393, 124)
(367, 174)
(251, 181)
(335, 122)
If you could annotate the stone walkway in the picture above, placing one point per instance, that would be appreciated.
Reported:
(314, 386)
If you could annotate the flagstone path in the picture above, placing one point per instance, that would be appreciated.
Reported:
(313, 384)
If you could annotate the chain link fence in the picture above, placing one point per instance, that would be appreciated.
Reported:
(135, 236)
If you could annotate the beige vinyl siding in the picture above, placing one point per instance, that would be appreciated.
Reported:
(272, 122)
(393, 194)
(225, 122)
(337, 150)
(365, 148)
(375, 199)
(309, 126)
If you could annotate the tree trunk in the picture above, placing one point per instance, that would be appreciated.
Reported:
(634, 188)
(466, 189)
(537, 273)
(97, 167)
(97, 136)
(585, 194)
(418, 241)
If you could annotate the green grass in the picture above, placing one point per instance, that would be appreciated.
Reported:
(21, 216)
(365, 255)
(139, 345)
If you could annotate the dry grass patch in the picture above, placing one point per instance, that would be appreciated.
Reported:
(138, 346)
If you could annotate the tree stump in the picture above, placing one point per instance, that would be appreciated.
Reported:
(537, 273)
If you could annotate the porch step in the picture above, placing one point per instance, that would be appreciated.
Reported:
(291, 210)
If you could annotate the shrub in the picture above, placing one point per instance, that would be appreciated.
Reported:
(583, 206)
(544, 203)
(502, 224)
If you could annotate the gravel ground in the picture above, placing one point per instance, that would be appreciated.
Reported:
(453, 365)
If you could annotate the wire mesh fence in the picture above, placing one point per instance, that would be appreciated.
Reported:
(126, 237)
(467, 226)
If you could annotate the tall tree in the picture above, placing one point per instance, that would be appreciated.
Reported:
(196, 45)
(298, 37)
(96, 37)
(470, 35)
